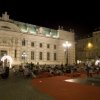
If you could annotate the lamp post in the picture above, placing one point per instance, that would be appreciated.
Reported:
(24, 55)
(66, 46)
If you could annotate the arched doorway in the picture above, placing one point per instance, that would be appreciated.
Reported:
(7, 60)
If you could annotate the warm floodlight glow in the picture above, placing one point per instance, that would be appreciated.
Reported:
(67, 44)
(97, 62)
(90, 45)
(64, 45)
(78, 61)
(70, 80)
(9, 59)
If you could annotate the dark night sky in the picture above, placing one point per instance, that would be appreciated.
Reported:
(81, 16)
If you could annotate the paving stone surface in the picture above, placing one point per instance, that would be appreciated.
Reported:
(20, 88)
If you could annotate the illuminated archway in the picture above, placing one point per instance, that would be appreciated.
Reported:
(8, 58)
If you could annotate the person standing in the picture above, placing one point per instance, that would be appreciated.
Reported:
(1, 70)
(6, 69)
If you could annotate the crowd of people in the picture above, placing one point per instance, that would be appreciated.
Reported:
(33, 71)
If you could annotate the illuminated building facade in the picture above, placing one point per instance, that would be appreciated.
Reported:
(88, 48)
(30, 43)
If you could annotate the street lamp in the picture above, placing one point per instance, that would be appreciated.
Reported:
(24, 55)
(66, 45)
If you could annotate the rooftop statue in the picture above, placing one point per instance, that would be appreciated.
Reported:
(5, 16)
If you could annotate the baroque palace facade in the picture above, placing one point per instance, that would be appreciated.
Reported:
(30, 43)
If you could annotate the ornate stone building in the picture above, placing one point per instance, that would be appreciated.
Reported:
(30, 43)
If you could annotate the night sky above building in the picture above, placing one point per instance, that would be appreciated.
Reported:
(81, 16)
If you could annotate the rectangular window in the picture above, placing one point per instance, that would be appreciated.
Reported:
(15, 53)
(40, 45)
(48, 56)
(54, 46)
(40, 57)
(48, 45)
(3, 52)
(32, 55)
(55, 56)
(23, 42)
(32, 44)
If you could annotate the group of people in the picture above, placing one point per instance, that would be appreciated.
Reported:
(29, 69)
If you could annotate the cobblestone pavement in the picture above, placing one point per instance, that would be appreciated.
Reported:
(19, 88)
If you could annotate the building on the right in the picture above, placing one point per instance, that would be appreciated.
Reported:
(88, 48)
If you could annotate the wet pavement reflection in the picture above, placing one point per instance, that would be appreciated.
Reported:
(94, 81)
